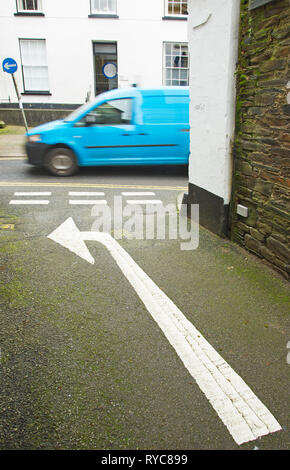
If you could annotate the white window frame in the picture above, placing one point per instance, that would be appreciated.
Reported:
(175, 67)
(175, 2)
(102, 7)
(27, 64)
(21, 6)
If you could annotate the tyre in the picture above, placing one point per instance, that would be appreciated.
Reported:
(61, 161)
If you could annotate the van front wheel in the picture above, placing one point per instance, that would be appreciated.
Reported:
(61, 161)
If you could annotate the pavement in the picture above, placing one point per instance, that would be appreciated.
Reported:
(86, 361)
(12, 145)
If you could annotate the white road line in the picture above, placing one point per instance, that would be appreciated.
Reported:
(136, 201)
(242, 412)
(29, 201)
(84, 201)
(140, 193)
(244, 415)
(84, 193)
(34, 193)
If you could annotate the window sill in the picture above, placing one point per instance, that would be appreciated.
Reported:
(182, 18)
(36, 93)
(29, 14)
(104, 16)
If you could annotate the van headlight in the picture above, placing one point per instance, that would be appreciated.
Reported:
(34, 138)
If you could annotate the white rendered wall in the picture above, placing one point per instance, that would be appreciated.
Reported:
(69, 33)
(213, 45)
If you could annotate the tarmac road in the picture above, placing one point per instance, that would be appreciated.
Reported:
(83, 363)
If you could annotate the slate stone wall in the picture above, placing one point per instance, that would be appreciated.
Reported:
(262, 143)
(36, 113)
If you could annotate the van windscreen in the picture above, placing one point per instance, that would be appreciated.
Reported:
(77, 112)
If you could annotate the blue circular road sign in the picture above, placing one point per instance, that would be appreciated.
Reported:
(110, 70)
(9, 65)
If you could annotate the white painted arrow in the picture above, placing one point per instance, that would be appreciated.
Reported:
(238, 407)
(8, 66)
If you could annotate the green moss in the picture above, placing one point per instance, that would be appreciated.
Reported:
(9, 248)
(7, 216)
(15, 294)
(14, 130)
(270, 285)
(259, 279)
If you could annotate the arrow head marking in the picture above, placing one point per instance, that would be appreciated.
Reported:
(69, 236)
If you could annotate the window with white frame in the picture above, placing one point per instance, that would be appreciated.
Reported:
(176, 7)
(34, 65)
(175, 64)
(29, 5)
(103, 7)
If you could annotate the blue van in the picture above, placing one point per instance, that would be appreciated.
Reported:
(130, 126)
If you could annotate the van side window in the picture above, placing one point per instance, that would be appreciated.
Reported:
(114, 112)
(165, 109)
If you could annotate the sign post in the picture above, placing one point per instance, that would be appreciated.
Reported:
(10, 66)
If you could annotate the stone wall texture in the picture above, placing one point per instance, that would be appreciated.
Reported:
(262, 142)
(34, 117)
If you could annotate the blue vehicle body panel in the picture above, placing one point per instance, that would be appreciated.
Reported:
(158, 132)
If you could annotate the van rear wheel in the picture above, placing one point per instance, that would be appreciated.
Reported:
(61, 161)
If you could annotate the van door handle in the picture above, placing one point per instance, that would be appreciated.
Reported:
(132, 133)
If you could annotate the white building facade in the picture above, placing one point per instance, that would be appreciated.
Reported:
(213, 32)
(68, 51)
